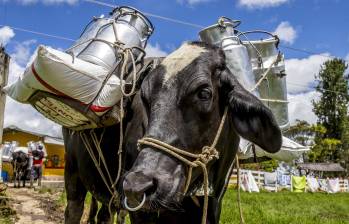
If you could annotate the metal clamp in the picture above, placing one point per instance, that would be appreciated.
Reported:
(223, 19)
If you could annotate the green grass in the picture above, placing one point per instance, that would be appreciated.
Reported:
(286, 208)
(281, 208)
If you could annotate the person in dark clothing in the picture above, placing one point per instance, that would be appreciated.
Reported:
(38, 157)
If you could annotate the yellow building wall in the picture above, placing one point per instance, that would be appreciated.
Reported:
(23, 138)
(52, 170)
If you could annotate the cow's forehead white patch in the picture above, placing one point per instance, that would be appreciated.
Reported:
(179, 59)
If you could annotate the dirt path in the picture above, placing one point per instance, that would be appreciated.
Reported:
(36, 208)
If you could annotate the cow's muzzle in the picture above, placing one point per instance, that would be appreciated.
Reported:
(137, 187)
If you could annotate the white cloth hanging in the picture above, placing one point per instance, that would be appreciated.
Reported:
(333, 185)
(313, 184)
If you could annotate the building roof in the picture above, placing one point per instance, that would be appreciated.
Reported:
(53, 140)
(46, 138)
(327, 167)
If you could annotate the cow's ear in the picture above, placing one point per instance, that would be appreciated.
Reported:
(251, 119)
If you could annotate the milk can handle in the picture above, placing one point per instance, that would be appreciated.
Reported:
(221, 21)
(138, 13)
(261, 31)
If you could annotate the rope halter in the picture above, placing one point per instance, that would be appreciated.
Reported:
(207, 154)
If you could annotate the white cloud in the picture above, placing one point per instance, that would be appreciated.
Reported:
(286, 32)
(23, 115)
(193, 2)
(6, 34)
(155, 51)
(300, 107)
(46, 2)
(347, 58)
(69, 2)
(22, 52)
(301, 72)
(259, 4)
(26, 117)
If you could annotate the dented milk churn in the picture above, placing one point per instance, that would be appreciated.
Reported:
(103, 39)
(223, 34)
(268, 65)
(257, 64)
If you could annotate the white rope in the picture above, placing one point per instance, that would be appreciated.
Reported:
(277, 59)
(242, 221)
(274, 100)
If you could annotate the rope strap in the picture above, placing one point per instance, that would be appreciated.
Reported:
(200, 160)
(277, 59)
(109, 183)
(274, 100)
(242, 221)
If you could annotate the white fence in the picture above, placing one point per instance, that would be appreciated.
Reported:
(259, 178)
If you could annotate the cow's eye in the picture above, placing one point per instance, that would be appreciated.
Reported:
(205, 94)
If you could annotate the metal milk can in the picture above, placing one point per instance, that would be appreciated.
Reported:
(265, 55)
(104, 39)
(224, 35)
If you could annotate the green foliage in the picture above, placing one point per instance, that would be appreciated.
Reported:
(301, 132)
(324, 150)
(332, 142)
(270, 165)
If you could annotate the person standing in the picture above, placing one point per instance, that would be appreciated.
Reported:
(38, 157)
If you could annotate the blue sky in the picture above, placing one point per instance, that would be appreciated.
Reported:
(319, 26)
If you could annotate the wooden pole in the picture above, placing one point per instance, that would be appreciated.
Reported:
(4, 69)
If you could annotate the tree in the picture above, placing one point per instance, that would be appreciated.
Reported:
(332, 111)
(301, 132)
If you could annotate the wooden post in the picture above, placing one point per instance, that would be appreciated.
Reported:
(4, 68)
(259, 179)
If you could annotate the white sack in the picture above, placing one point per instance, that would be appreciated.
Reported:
(289, 151)
(21, 149)
(59, 73)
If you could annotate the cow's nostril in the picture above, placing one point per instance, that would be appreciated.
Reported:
(136, 184)
(152, 189)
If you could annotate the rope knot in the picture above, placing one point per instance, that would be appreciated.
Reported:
(208, 154)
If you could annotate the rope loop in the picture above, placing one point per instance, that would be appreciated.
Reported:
(200, 160)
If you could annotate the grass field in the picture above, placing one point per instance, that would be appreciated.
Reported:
(287, 208)
(283, 208)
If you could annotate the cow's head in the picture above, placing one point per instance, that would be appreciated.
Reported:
(184, 99)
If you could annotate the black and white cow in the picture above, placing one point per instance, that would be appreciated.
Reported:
(181, 103)
(20, 164)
